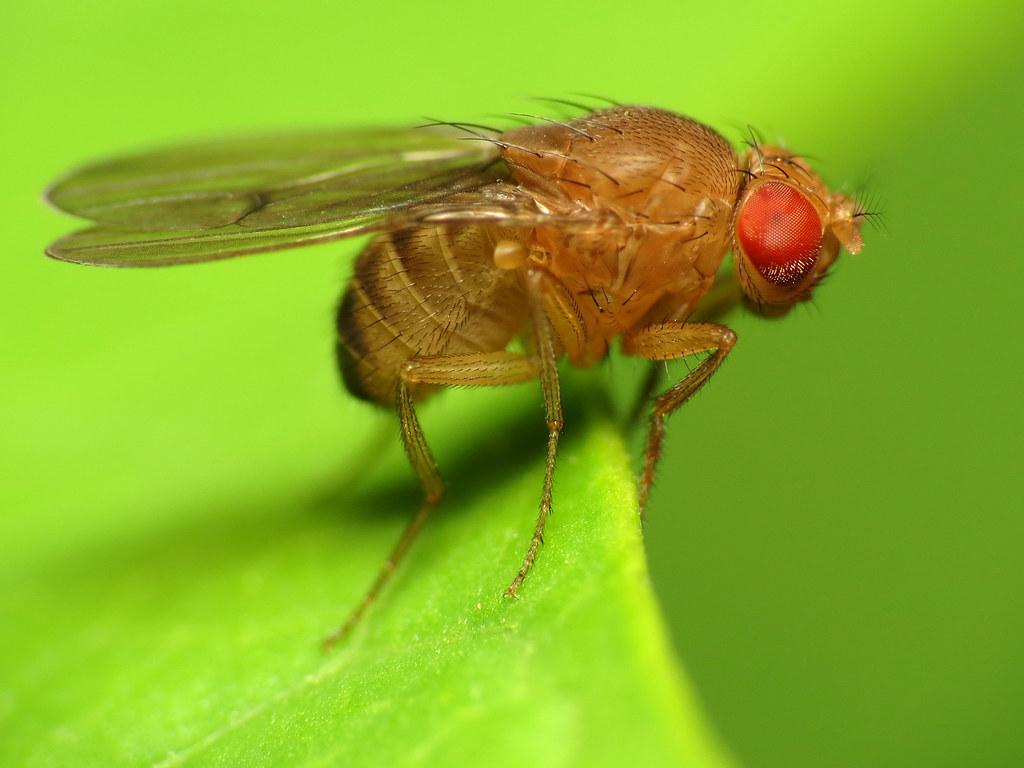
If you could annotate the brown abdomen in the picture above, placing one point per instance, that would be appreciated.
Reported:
(432, 290)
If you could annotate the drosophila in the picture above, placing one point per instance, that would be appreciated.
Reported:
(566, 236)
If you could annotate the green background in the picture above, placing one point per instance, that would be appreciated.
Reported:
(836, 535)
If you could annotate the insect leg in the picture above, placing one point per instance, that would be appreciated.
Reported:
(725, 295)
(485, 369)
(670, 341)
(495, 368)
(433, 488)
(539, 285)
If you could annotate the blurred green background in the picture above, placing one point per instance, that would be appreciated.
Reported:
(837, 532)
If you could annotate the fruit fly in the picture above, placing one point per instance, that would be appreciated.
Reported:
(567, 235)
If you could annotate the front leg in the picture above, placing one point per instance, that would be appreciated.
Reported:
(671, 341)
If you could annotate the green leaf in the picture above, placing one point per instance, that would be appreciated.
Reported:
(198, 645)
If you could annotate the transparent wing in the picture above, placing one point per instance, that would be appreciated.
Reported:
(227, 198)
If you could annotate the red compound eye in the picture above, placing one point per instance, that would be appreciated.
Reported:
(780, 232)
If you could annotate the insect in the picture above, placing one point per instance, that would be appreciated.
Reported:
(566, 235)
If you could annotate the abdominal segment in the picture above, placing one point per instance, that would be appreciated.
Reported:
(427, 291)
